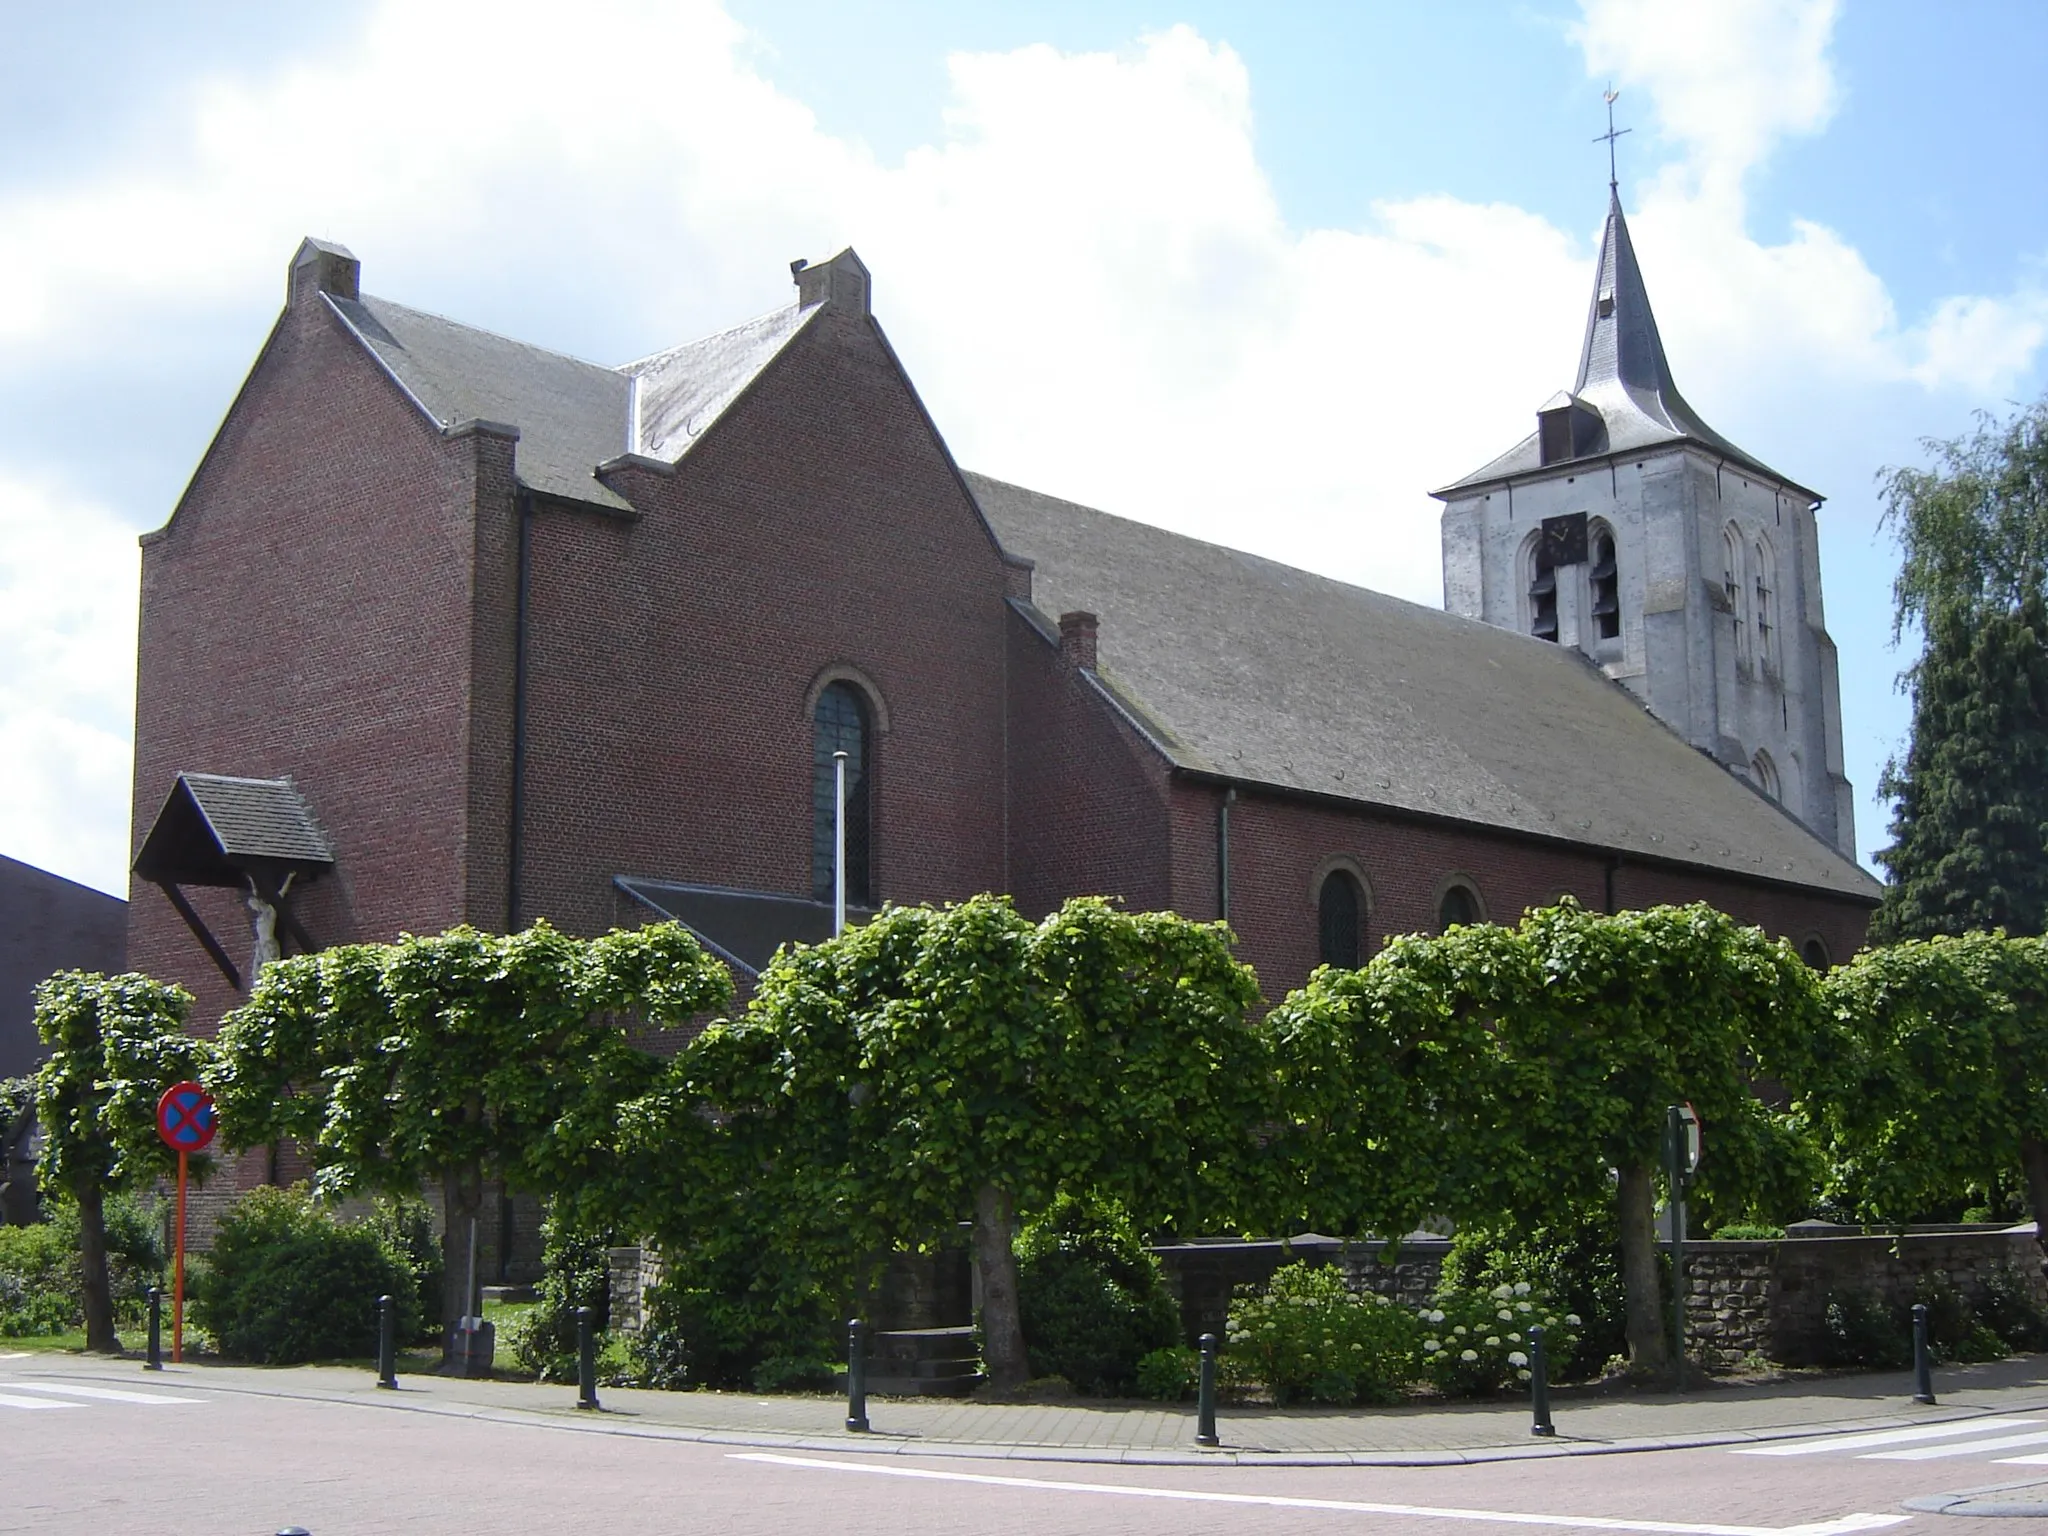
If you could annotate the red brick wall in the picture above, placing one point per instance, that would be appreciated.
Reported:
(818, 524)
(1088, 796)
(308, 610)
(1278, 844)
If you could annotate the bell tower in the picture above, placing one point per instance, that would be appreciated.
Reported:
(1688, 571)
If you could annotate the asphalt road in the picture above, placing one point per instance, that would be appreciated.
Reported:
(92, 1455)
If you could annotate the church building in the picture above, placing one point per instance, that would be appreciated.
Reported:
(448, 628)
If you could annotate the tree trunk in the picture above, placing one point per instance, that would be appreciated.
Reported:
(1002, 1328)
(1649, 1350)
(92, 1264)
(462, 1197)
(2034, 1162)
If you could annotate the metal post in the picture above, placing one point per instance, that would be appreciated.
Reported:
(387, 1343)
(586, 1358)
(856, 1372)
(1539, 1385)
(838, 844)
(1205, 1396)
(1674, 1168)
(156, 1330)
(1923, 1376)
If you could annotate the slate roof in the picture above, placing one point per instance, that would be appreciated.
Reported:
(743, 928)
(572, 415)
(1243, 667)
(1623, 375)
(213, 825)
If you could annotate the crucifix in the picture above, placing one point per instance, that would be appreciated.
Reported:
(1611, 135)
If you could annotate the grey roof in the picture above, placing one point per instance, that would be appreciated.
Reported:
(683, 390)
(1624, 376)
(212, 826)
(1243, 667)
(743, 928)
(572, 416)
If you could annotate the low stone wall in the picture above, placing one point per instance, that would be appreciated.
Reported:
(635, 1270)
(1203, 1276)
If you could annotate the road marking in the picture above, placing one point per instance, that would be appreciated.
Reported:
(1967, 1448)
(101, 1394)
(1835, 1527)
(8, 1400)
(1884, 1437)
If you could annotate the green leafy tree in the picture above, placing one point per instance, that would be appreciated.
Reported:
(1941, 1080)
(934, 1065)
(1970, 816)
(458, 1058)
(1969, 847)
(116, 1043)
(1525, 1073)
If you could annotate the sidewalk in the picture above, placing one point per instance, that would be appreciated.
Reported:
(1587, 1422)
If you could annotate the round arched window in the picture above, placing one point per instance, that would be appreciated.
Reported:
(842, 722)
(1458, 907)
(1815, 954)
(1338, 913)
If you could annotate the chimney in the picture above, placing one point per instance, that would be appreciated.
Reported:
(1077, 639)
(1017, 576)
(320, 266)
(841, 283)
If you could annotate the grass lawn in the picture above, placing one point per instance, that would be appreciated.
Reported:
(51, 1343)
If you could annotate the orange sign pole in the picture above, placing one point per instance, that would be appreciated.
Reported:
(178, 1279)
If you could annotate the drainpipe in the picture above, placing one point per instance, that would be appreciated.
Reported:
(1223, 853)
(515, 850)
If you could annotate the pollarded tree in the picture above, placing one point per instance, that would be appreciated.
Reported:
(457, 1058)
(936, 1065)
(116, 1043)
(1945, 1082)
(1969, 848)
(1638, 1011)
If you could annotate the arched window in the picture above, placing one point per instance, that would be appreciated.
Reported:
(1733, 590)
(1338, 911)
(1542, 589)
(1765, 610)
(842, 722)
(1815, 954)
(1606, 584)
(1457, 907)
(1765, 772)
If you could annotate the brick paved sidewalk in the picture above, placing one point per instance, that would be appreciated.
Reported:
(1407, 1435)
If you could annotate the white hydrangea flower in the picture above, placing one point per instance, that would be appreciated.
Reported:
(1523, 1306)
(1514, 1338)
(1522, 1375)
(1435, 1316)
(1460, 1330)
(1430, 1346)
(1469, 1356)
(1518, 1358)
(1521, 1287)
(1572, 1318)
(1502, 1292)
(1505, 1315)
(1493, 1341)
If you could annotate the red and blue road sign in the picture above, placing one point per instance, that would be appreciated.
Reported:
(185, 1117)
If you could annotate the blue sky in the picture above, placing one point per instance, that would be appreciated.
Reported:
(1261, 273)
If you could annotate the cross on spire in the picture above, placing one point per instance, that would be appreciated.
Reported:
(1610, 136)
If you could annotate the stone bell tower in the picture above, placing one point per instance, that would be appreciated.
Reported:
(1628, 529)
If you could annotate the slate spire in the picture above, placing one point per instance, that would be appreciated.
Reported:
(1622, 350)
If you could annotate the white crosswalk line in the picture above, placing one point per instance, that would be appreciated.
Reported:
(8, 1400)
(100, 1394)
(1884, 1437)
(1967, 1448)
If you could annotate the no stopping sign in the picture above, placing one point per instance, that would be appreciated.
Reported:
(185, 1117)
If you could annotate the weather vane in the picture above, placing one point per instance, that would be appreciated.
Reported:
(1611, 135)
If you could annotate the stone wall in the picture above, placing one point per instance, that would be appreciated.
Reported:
(635, 1271)
(1203, 1276)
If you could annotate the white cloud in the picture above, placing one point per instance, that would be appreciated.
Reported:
(1088, 275)
(67, 683)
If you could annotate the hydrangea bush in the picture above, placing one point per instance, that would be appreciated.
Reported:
(1309, 1335)
(1476, 1341)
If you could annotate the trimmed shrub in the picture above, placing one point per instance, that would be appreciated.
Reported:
(1170, 1375)
(1309, 1335)
(1575, 1266)
(38, 1274)
(1092, 1300)
(1748, 1232)
(2011, 1311)
(1477, 1341)
(287, 1282)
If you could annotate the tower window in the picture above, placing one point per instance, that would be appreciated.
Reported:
(1732, 590)
(1542, 591)
(1606, 587)
(1766, 616)
(1457, 907)
(842, 723)
(1765, 772)
(1338, 909)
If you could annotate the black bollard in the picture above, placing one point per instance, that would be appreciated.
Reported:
(1539, 1386)
(856, 1377)
(387, 1343)
(1205, 1394)
(156, 1330)
(586, 1359)
(1923, 1377)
